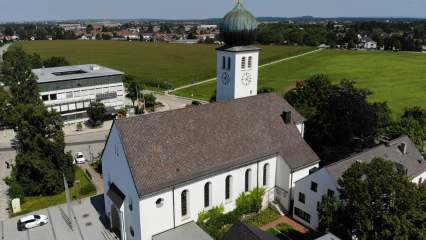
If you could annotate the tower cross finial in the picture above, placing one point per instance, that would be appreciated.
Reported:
(238, 1)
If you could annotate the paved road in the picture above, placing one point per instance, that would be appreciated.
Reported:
(264, 65)
(4, 172)
(86, 223)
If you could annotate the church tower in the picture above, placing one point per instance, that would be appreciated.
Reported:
(237, 61)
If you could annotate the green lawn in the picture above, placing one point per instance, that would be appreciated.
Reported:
(31, 204)
(398, 78)
(177, 64)
(265, 216)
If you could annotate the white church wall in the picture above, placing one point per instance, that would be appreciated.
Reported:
(156, 218)
(196, 190)
(116, 170)
(283, 182)
(325, 182)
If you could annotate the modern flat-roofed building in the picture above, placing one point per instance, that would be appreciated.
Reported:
(69, 90)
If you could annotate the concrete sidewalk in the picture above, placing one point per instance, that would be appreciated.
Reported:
(71, 129)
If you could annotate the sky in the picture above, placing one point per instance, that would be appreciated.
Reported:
(30, 10)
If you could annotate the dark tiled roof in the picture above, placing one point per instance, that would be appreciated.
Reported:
(168, 148)
(241, 231)
(412, 160)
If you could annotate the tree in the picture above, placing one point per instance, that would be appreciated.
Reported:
(8, 31)
(412, 124)
(150, 101)
(17, 75)
(41, 161)
(180, 30)
(5, 108)
(340, 120)
(310, 94)
(133, 87)
(96, 112)
(89, 28)
(326, 213)
(55, 62)
(378, 202)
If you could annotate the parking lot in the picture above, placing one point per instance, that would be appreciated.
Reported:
(85, 223)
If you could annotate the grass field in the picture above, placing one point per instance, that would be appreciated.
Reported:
(398, 78)
(86, 189)
(178, 64)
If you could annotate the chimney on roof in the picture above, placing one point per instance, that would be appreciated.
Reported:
(286, 117)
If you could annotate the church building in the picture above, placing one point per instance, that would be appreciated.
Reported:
(162, 169)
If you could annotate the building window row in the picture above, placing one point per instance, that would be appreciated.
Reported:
(81, 93)
(302, 214)
(228, 189)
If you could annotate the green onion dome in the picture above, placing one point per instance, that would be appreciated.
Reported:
(239, 27)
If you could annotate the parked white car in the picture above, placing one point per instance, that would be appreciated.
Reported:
(79, 158)
(32, 221)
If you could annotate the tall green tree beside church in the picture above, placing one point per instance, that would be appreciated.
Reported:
(41, 160)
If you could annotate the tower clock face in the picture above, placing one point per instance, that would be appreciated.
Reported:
(225, 78)
(246, 79)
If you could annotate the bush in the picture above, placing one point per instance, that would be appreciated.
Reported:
(204, 216)
(15, 190)
(250, 202)
(213, 221)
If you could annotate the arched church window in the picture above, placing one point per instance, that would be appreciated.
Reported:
(223, 62)
(265, 174)
(247, 186)
(207, 194)
(243, 63)
(250, 62)
(228, 187)
(229, 63)
(184, 202)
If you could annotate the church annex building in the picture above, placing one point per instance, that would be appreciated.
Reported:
(160, 170)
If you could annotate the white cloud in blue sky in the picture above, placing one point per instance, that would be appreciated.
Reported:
(18, 10)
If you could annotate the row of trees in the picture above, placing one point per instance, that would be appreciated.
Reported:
(390, 36)
(340, 119)
(41, 160)
(39, 31)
